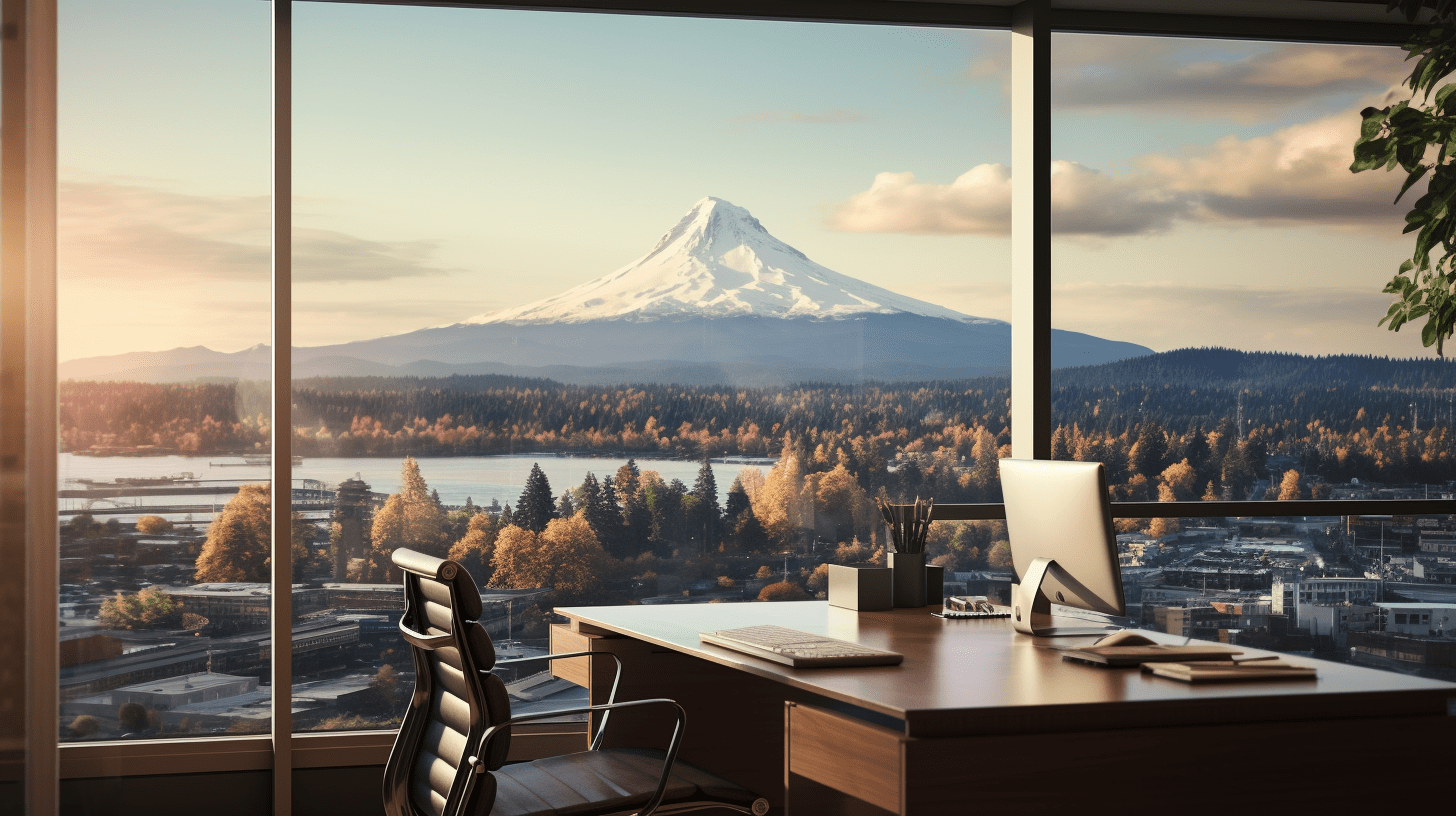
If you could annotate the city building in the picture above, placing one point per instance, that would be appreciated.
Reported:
(1289, 596)
(1418, 619)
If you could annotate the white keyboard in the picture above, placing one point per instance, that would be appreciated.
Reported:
(801, 650)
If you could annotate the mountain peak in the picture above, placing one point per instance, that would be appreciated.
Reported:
(719, 261)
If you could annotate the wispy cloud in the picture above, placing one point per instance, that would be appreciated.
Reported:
(839, 116)
(134, 232)
(1179, 77)
(393, 309)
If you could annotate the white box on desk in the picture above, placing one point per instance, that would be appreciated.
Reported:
(868, 589)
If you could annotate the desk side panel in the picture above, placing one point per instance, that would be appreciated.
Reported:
(1036, 772)
(863, 760)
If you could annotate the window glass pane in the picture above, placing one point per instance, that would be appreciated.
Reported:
(1367, 590)
(164, 307)
(643, 243)
(1203, 208)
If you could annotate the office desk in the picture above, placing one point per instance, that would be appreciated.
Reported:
(978, 714)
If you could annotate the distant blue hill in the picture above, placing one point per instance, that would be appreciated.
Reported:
(1223, 368)
(742, 350)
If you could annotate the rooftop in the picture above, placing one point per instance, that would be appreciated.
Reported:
(185, 682)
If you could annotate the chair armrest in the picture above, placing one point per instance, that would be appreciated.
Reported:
(424, 641)
(611, 695)
(672, 745)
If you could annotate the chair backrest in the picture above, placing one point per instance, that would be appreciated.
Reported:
(455, 700)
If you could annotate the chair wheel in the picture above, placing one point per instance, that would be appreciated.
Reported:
(760, 807)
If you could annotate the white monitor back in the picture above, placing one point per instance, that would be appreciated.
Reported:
(1060, 510)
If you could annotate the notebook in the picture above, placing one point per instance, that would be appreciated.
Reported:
(1118, 656)
(1230, 671)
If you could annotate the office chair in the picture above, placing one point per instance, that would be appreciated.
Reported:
(449, 758)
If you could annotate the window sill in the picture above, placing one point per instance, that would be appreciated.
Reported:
(253, 753)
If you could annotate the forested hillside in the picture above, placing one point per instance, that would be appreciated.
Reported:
(1214, 417)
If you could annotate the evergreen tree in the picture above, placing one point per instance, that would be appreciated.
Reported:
(748, 534)
(636, 536)
(613, 532)
(1061, 444)
(1149, 451)
(629, 476)
(565, 507)
(601, 514)
(665, 501)
(737, 502)
(705, 519)
(535, 508)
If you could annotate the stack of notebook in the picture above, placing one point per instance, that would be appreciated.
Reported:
(1117, 656)
(1225, 671)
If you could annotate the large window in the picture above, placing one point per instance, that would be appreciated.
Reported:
(1203, 207)
(163, 292)
(801, 332)
(619, 312)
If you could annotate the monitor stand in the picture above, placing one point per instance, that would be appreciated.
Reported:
(1031, 609)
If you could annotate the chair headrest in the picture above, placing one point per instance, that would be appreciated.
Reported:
(445, 571)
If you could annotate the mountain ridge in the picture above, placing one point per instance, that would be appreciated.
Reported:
(719, 261)
(717, 299)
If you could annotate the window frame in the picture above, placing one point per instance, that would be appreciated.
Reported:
(29, 84)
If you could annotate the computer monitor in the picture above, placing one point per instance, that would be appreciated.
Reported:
(1063, 547)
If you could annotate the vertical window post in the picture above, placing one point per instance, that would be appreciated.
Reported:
(281, 420)
(28, 407)
(1031, 230)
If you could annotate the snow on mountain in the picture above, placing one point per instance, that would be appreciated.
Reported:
(719, 261)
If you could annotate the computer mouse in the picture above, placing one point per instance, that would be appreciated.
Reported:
(1127, 637)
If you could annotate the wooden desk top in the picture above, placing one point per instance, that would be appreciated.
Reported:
(976, 677)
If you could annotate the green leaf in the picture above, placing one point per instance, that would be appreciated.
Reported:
(1410, 180)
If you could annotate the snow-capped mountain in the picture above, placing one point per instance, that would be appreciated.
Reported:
(718, 300)
(719, 261)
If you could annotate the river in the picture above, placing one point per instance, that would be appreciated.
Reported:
(479, 478)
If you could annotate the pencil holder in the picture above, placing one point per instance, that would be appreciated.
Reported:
(909, 570)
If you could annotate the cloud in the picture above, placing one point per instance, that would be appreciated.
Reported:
(1183, 77)
(1084, 203)
(977, 203)
(424, 309)
(1297, 175)
(133, 232)
(840, 116)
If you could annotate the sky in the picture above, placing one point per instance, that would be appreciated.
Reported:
(451, 162)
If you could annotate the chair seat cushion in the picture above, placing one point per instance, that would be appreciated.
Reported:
(602, 782)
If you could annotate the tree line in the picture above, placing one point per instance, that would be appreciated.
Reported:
(1225, 415)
